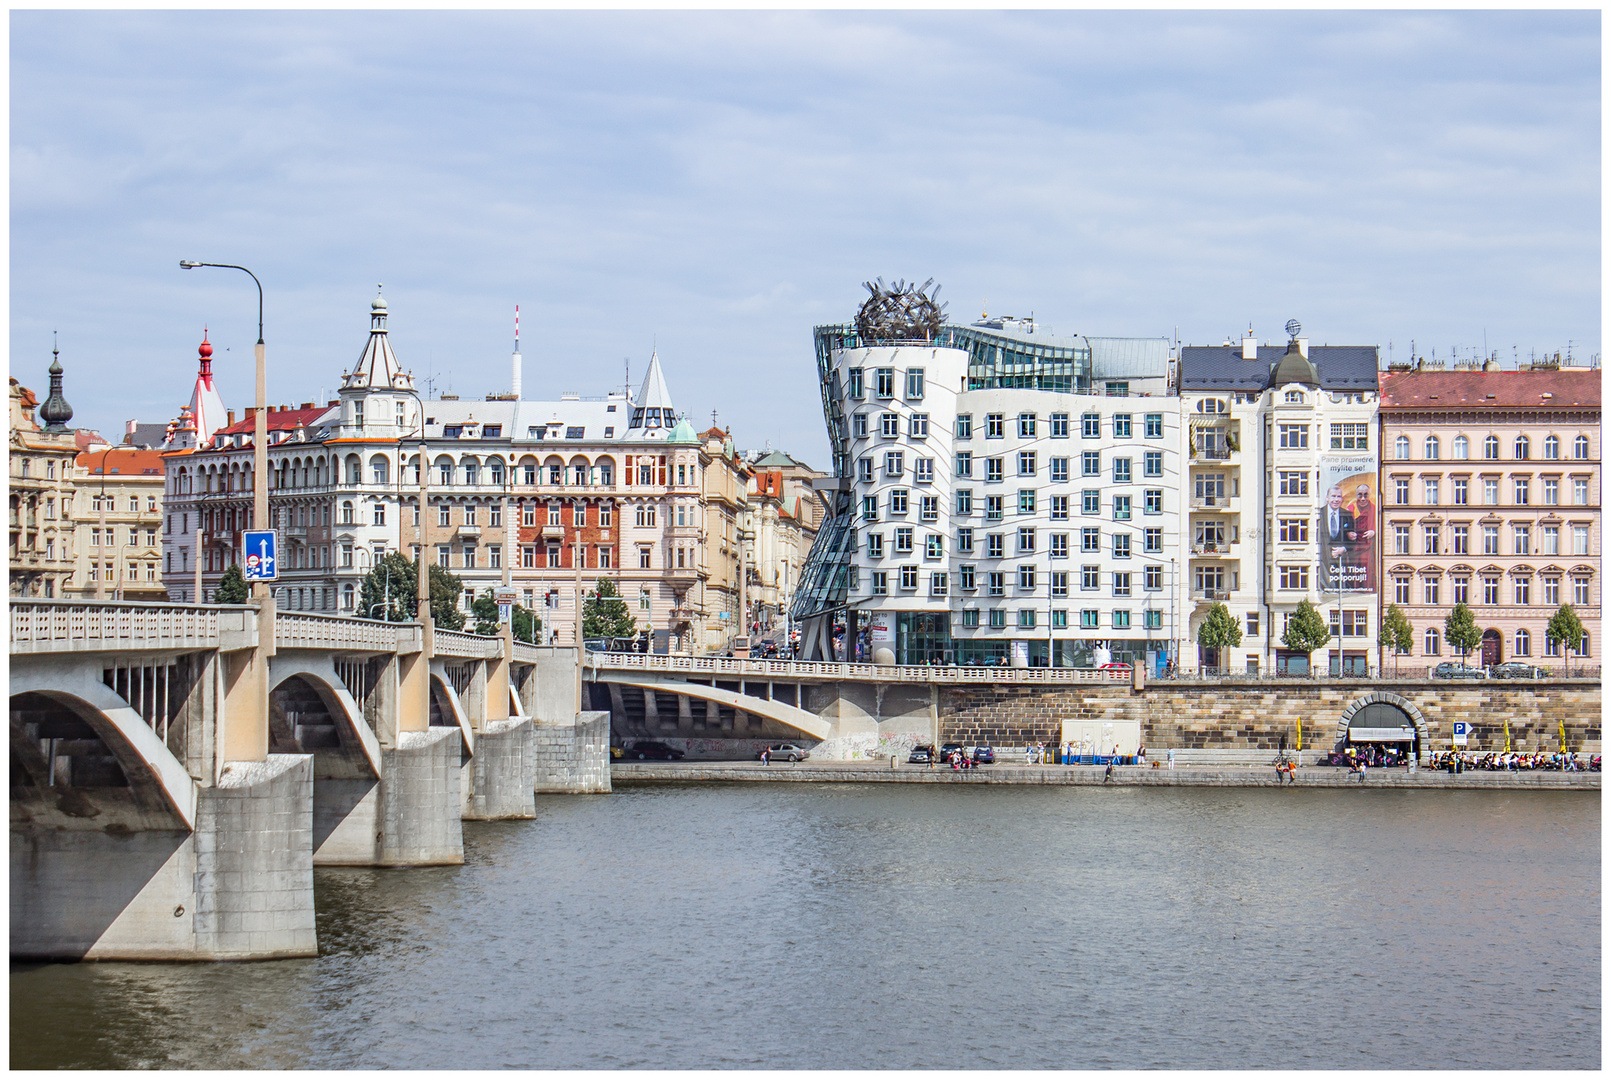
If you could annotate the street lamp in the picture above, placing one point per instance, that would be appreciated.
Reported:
(260, 507)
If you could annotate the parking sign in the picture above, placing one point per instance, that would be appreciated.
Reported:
(261, 561)
(1460, 736)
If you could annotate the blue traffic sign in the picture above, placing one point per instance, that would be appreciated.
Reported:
(262, 563)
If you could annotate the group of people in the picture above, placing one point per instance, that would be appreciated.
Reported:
(1512, 761)
(1070, 753)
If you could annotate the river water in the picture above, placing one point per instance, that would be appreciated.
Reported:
(839, 926)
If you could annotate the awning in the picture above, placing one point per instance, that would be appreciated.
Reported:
(1381, 734)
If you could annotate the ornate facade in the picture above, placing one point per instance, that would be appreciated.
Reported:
(41, 490)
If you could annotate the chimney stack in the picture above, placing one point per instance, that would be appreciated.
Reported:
(1250, 345)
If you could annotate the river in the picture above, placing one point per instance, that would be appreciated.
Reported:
(842, 926)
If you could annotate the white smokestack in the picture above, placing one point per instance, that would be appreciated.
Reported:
(514, 363)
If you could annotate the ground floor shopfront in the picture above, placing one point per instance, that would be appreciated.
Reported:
(927, 638)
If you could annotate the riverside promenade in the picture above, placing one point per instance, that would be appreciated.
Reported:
(1321, 776)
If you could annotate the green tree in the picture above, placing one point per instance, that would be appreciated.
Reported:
(1566, 627)
(605, 613)
(389, 590)
(526, 626)
(232, 589)
(1220, 629)
(1460, 630)
(1307, 631)
(1396, 633)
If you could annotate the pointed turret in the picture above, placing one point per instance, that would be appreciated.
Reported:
(55, 412)
(206, 404)
(651, 409)
(377, 368)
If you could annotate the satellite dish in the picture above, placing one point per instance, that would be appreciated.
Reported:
(1293, 326)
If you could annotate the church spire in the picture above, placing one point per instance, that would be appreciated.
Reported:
(55, 412)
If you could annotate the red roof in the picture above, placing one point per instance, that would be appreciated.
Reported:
(278, 420)
(1576, 388)
(122, 461)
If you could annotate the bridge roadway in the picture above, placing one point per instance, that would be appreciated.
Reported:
(178, 770)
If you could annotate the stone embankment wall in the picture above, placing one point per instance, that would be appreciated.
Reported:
(573, 758)
(1254, 715)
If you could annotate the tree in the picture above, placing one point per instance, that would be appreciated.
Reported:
(1396, 633)
(1460, 630)
(1219, 630)
(606, 614)
(526, 626)
(232, 589)
(1566, 627)
(1307, 631)
(389, 590)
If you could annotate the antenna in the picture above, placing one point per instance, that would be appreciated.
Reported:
(627, 361)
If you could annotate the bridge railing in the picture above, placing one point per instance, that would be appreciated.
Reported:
(39, 626)
(457, 643)
(812, 669)
(527, 653)
(305, 630)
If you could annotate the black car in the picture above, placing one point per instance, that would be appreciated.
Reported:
(1516, 671)
(921, 755)
(951, 748)
(984, 755)
(657, 751)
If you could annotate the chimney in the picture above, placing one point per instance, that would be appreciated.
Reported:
(307, 404)
(1250, 345)
(1303, 347)
(231, 415)
(128, 428)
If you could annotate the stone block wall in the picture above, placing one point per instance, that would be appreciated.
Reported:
(1254, 715)
(420, 814)
(572, 758)
(502, 773)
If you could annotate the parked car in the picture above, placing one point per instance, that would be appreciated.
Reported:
(951, 748)
(659, 751)
(1123, 669)
(617, 752)
(1457, 671)
(921, 755)
(786, 751)
(1514, 670)
(983, 755)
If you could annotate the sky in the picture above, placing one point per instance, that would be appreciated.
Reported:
(714, 184)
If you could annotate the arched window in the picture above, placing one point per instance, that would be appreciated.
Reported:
(380, 469)
(1552, 449)
(1432, 448)
(1524, 643)
(1522, 448)
(1580, 448)
(1490, 448)
(444, 471)
(346, 513)
(1462, 448)
(495, 469)
(1430, 645)
(355, 474)
(1401, 448)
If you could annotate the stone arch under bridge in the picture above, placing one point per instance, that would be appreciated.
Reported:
(1383, 697)
(317, 672)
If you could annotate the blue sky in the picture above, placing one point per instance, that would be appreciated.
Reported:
(718, 183)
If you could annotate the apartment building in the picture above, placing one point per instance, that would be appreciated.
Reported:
(117, 524)
(1491, 484)
(41, 490)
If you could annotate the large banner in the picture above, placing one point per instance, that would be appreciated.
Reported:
(1348, 523)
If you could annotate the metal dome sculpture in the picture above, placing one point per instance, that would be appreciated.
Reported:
(900, 312)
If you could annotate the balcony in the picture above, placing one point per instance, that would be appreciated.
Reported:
(1228, 504)
(1210, 596)
(1219, 550)
(553, 532)
(468, 530)
(1212, 453)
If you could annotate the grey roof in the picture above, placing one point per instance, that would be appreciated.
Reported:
(1128, 357)
(149, 436)
(1221, 367)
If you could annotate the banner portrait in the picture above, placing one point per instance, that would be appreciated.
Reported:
(1348, 523)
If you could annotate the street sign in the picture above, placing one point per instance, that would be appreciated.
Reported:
(1460, 733)
(262, 563)
(505, 596)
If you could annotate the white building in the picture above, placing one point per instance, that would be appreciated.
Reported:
(1282, 489)
(1001, 497)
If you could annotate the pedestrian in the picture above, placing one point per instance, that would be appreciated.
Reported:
(1171, 757)
(766, 755)
(1141, 756)
(1107, 774)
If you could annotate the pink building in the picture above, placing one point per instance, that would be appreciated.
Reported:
(1490, 496)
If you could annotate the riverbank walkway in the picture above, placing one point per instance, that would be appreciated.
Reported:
(870, 772)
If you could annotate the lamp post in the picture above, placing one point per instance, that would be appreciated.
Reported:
(100, 571)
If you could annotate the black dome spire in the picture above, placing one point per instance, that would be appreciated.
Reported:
(55, 412)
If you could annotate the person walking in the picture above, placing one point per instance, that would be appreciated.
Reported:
(1107, 774)
(1171, 757)
(766, 755)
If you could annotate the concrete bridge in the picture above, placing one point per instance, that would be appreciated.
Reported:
(178, 770)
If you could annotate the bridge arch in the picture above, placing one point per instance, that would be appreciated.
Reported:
(150, 767)
(318, 672)
(1384, 701)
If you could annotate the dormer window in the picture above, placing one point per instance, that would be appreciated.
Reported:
(535, 432)
(452, 431)
(1294, 397)
(1211, 405)
(578, 432)
(492, 431)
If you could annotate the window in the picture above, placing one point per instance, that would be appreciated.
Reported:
(864, 470)
(964, 425)
(1026, 425)
(1121, 545)
(1294, 397)
(1354, 437)
(1059, 422)
(858, 426)
(1121, 508)
(443, 553)
(903, 540)
(1522, 486)
(1524, 643)
(1462, 448)
(930, 508)
(1522, 539)
(998, 619)
(643, 557)
(1154, 425)
(1026, 502)
(1460, 497)
(964, 502)
(1026, 579)
(889, 425)
(1522, 448)
(1090, 578)
(1552, 539)
(993, 471)
(995, 425)
(897, 501)
(1152, 463)
(1121, 470)
(1059, 507)
(1523, 590)
(965, 578)
(1462, 539)
(1401, 493)
(1121, 425)
(1490, 492)
(1294, 577)
(1429, 539)
(380, 513)
(923, 470)
(875, 545)
(1580, 493)
(1429, 590)
(1401, 447)
(995, 546)
(1090, 501)
(1490, 590)
(1429, 643)
(1490, 448)
(1552, 492)
(1121, 583)
(1431, 447)
(1026, 463)
(964, 463)
(1153, 540)
(1090, 539)
(1580, 539)
(894, 463)
(1490, 539)
(1294, 483)
(854, 382)
(938, 580)
(1294, 530)
(1401, 589)
(917, 425)
(1026, 541)
(1091, 425)
(914, 382)
(880, 586)
(993, 504)
(885, 382)
(1401, 539)
(1580, 591)
(1059, 546)
(1462, 590)
(1580, 451)
(1431, 492)
(1091, 463)
(1059, 467)
(1153, 501)
(469, 556)
(996, 583)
